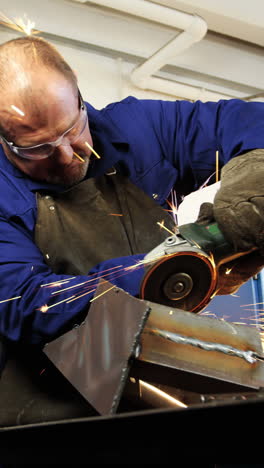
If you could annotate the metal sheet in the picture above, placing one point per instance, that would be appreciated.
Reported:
(96, 356)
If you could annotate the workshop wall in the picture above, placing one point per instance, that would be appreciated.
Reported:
(104, 45)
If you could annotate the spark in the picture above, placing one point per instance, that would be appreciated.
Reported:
(240, 323)
(103, 277)
(208, 314)
(10, 299)
(81, 295)
(24, 25)
(71, 287)
(228, 271)
(256, 303)
(253, 318)
(253, 310)
(19, 111)
(173, 206)
(161, 224)
(119, 271)
(92, 150)
(217, 166)
(78, 157)
(162, 394)
(73, 298)
(132, 267)
(110, 270)
(57, 283)
(46, 307)
(115, 214)
(206, 182)
(196, 244)
(99, 295)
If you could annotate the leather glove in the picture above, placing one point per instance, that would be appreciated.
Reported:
(239, 203)
(233, 274)
(238, 210)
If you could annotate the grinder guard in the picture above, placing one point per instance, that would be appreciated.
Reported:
(182, 272)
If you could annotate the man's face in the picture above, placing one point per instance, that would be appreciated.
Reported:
(52, 111)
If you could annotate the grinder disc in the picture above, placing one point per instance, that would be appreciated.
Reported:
(185, 281)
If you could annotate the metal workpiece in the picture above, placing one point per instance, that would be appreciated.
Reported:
(122, 332)
(203, 345)
(249, 356)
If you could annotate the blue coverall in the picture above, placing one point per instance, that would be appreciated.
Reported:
(161, 145)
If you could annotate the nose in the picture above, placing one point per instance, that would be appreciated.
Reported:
(64, 154)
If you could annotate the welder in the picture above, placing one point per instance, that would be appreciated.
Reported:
(82, 191)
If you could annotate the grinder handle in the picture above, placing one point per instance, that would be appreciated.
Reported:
(210, 240)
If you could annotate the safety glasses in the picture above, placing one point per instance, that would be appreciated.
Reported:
(44, 150)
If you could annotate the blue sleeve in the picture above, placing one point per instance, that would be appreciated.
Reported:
(187, 135)
(37, 305)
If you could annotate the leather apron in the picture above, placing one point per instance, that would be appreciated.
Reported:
(96, 220)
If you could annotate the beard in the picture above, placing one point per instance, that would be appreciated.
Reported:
(49, 170)
(68, 175)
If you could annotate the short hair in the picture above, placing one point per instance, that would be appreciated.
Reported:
(35, 51)
(21, 57)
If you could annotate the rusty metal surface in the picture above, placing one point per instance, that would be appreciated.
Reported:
(96, 356)
(203, 345)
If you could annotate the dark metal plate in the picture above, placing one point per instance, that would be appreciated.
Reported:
(96, 356)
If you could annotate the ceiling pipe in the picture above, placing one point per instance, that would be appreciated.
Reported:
(194, 29)
(149, 11)
(181, 90)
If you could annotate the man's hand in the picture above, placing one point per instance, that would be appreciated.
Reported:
(238, 210)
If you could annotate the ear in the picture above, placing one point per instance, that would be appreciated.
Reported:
(75, 73)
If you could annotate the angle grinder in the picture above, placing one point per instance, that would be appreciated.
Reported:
(182, 272)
